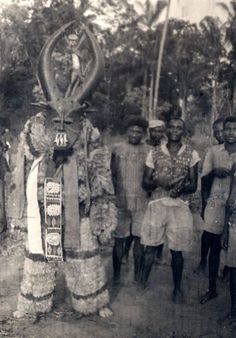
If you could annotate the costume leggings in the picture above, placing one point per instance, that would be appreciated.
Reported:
(85, 278)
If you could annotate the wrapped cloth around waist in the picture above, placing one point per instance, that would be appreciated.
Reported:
(170, 202)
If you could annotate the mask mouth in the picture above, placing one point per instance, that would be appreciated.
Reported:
(61, 141)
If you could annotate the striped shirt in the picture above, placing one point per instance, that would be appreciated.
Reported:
(128, 162)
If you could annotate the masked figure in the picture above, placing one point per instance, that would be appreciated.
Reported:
(64, 188)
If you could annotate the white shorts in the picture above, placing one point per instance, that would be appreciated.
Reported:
(173, 223)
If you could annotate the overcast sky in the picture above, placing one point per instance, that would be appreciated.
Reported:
(195, 10)
(192, 10)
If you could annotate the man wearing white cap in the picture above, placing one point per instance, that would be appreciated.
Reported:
(156, 132)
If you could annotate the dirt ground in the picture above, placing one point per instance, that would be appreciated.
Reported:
(137, 313)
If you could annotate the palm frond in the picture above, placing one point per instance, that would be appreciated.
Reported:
(225, 8)
(233, 5)
(161, 5)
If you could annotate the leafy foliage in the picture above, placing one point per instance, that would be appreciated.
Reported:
(197, 70)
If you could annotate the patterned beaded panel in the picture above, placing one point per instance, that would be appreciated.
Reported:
(53, 219)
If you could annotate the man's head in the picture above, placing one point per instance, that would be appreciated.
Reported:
(156, 131)
(73, 40)
(230, 129)
(175, 129)
(136, 128)
(218, 130)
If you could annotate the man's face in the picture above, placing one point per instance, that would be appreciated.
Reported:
(230, 132)
(135, 134)
(175, 130)
(156, 134)
(218, 132)
(73, 43)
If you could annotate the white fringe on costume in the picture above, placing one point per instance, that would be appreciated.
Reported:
(85, 277)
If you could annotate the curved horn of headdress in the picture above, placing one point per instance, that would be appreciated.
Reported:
(95, 72)
(45, 68)
(46, 77)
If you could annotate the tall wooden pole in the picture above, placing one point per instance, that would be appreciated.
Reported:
(159, 62)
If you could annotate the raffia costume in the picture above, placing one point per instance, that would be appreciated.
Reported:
(64, 233)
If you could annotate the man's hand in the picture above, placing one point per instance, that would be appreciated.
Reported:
(225, 240)
(177, 186)
(175, 193)
(221, 172)
(168, 183)
(162, 181)
(231, 205)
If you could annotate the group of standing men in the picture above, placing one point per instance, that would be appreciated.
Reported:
(153, 181)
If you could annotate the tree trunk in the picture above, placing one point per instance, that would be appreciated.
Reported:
(159, 62)
(184, 107)
(150, 104)
(144, 105)
(234, 96)
(214, 105)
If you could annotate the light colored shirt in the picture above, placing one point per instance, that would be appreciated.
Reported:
(170, 167)
(194, 159)
(217, 156)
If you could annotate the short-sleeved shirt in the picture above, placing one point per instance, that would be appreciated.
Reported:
(128, 162)
(214, 215)
(169, 166)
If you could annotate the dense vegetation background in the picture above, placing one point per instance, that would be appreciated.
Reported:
(198, 67)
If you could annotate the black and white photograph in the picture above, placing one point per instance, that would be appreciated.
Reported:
(118, 168)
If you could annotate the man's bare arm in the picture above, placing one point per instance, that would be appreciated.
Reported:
(188, 185)
(148, 183)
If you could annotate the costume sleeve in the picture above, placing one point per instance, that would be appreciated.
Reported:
(100, 173)
(208, 163)
(149, 160)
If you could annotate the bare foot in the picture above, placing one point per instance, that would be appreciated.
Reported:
(105, 312)
(25, 317)
(18, 314)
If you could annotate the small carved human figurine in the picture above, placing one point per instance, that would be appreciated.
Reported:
(78, 70)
